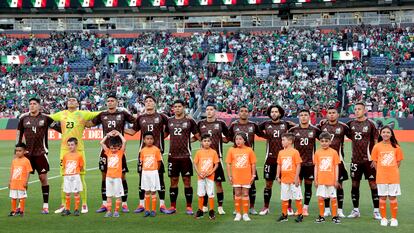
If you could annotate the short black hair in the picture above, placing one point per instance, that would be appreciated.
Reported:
(325, 135)
(112, 95)
(179, 102)
(211, 105)
(150, 97)
(289, 136)
(244, 106)
(279, 108)
(332, 108)
(205, 136)
(115, 141)
(21, 144)
(149, 133)
(73, 139)
(304, 110)
(34, 99)
(360, 103)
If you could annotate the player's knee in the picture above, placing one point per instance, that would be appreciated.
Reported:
(307, 181)
(269, 184)
(355, 184)
(372, 184)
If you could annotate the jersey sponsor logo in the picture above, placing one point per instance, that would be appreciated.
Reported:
(387, 158)
(17, 173)
(105, 118)
(70, 167)
(144, 121)
(172, 124)
(206, 164)
(297, 134)
(237, 129)
(241, 161)
(149, 161)
(287, 164)
(113, 162)
(326, 164)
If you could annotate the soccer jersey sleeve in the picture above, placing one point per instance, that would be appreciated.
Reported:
(252, 156)
(56, 116)
(97, 120)
(89, 115)
(229, 156)
(28, 166)
(399, 154)
(216, 158)
(224, 129)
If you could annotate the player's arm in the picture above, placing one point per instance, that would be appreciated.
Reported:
(297, 181)
(253, 173)
(315, 174)
(337, 184)
(89, 124)
(230, 136)
(225, 132)
(20, 131)
(258, 132)
(194, 131)
(81, 164)
(90, 115)
(262, 130)
(123, 140)
(103, 145)
(278, 173)
(291, 124)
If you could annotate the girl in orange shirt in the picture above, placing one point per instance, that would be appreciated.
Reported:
(241, 169)
(387, 156)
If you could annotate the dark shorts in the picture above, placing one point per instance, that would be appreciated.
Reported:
(364, 168)
(343, 173)
(40, 164)
(177, 166)
(103, 163)
(269, 170)
(307, 172)
(219, 174)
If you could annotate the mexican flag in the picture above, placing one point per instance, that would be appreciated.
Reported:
(157, 2)
(15, 3)
(12, 59)
(206, 2)
(111, 3)
(230, 2)
(346, 55)
(134, 2)
(221, 57)
(254, 2)
(279, 1)
(118, 58)
(39, 3)
(182, 2)
(63, 3)
(304, 1)
(87, 3)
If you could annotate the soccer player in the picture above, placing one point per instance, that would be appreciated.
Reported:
(250, 129)
(364, 135)
(337, 130)
(114, 154)
(218, 132)
(287, 174)
(154, 122)
(326, 162)
(150, 158)
(205, 164)
(33, 127)
(72, 165)
(180, 128)
(305, 143)
(387, 156)
(112, 119)
(19, 176)
(73, 123)
(241, 169)
(272, 130)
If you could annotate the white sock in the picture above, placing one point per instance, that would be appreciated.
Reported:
(46, 205)
(141, 202)
(162, 202)
(104, 203)
(305, 206)
(124, 203)
(376, 210)
(340, 210)
(327, 209)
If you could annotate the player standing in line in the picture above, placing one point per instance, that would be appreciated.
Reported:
(250, 129)
(218, 132)
(364, 135)
(112, 119)
(305, 143)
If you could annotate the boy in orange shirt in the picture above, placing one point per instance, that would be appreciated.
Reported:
(114, 154)
(326, 162)
(206, 163)
(19, 175)
(72, 164)
(241, 169)
(150, 158)
(387, 156)
(287, 174)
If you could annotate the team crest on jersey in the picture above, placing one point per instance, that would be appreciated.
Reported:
(41, 123)
(251, 129)
(118, 117)
(365, 129)
(216, 126)
(338, 131)
(157, 120)
(310, 135)
(282, 127)
(185, 125)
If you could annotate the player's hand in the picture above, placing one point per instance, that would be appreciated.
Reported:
(279, 180)
(297, 182)
(372, 164)
(231, 180)
(316, 183)
(252, 180)
(323, 121)
(338, 185)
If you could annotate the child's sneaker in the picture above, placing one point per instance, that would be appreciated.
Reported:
(238, 217)
(220, 210)
(12, 214)
(246, 218)
(299, 218)
(65, 213)
(153, 213)
(320, 219)
(394, 222)
(139, 209)
(199, 214)
(283, 218)
(108, 214)
(76, 213)
(212, 214)
(384, 222)
(116, 214)
(336, 220)
(147, 213)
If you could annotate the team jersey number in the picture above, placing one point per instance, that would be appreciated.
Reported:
(70, 125)
(177, 131)
(34, 129)
(304, 141)
(276, 133)
(358, 136)
(111, 124)
(210, 132)
(150, 127)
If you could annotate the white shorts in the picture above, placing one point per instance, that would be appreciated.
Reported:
(150, 181)
(114, 187)
(246, 186)
(389, 190)
(17, 194)
(326, 191)
(72, 184)
(290, 192)
(205, 186)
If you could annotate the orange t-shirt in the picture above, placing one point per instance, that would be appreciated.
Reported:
(150, 156)
(114, 163)
(205, 160)
(19, 170)
(241, 160)
(387, 157)
(326, 160)
(288, 159)
(72, 163)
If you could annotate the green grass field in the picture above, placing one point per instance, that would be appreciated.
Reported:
(92, 222)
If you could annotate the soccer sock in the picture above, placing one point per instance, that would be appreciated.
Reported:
(109, 204)
(394, 208)
(252, 194)
(45, 193)
(267, 194)
(327, 202)
(147, 202)
(245, 202)
(22, 202)
(161, 193)
(220, 199)
(188, 195)
(173, 196)
(321, 204)
(237, 201)
(285, 205)
(154, 203)
(117, 204)
(289, 203)
(205, 200)
(355, 197)
(84, 192)
(211, 203)
(13, 205)
(383, 208)
(299, 206)
(77, 201)
(308, 193)
(200, 202)
(334, 207)
(340, 194)
(103, 191)
(141, 195)
(67, 206)
(125, 186)
(375, 198)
